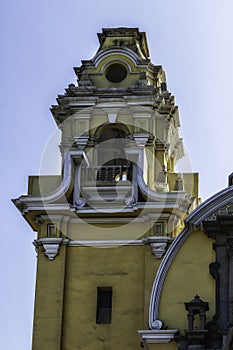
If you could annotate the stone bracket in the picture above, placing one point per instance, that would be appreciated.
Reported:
(51, 246)
(81, 141)
(141, 139)
(157, 336)
(158, 244)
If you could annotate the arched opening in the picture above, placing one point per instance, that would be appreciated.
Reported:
(110, 179)
(112, 161)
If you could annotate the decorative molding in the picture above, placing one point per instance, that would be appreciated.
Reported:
(52, 218)
(157, 324)
(51, 246)
(158, 249)
(143, 114)
(158, 244)
(141, 139)
(161, 275)
(157, 336)
(225, 210)
(80, 203)
(161, 186)
(129, 201)
(107, 197)
(26, 203)
(81, 141)
(211, 205)
(106, 243)
(176, 199)
(107, 52)
(201, 213)
(112, 117)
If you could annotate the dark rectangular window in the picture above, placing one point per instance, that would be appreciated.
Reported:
(51, 230)
(104, 305)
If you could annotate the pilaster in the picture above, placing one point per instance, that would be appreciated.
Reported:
(220, 228)
(49, 301)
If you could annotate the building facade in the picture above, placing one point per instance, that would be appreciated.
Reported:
(106, 225)
(198, 264)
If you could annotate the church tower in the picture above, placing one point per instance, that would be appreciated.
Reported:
(105, 223)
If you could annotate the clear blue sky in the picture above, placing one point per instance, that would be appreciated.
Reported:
(40, 43)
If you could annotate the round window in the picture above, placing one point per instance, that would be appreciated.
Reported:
(116, 72)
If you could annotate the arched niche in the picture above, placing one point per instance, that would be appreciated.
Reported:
(111, 155)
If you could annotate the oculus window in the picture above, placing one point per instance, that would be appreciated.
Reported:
(116, 72)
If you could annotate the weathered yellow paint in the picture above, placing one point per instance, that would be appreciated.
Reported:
(123, 270)
(49, 302)
(112, 231)
(129, 270)
(169, 346)
(188, 275)
(39, 185)
(190, 182)
(66, 290)
(151, 267)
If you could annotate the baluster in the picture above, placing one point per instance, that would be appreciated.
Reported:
(95, 173)
(106, 174)
(99, 174)
(110, 170)
(121, 170)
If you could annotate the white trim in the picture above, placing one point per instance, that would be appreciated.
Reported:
(112, 117)
(51, 246)
(42, 202)
(157, 336)
(40, 207)
(116, 60)
(158, 244)
(106, 243)
(198, 215)
(214, 203)
(161, 275)
(176, 199)
(106, 52)
(142, 115)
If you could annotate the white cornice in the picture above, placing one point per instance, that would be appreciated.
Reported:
(106, 243)
(157, 336)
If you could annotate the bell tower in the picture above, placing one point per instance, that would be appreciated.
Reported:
(105, 223)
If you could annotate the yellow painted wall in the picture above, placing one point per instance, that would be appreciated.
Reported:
(170, 346)
(112, 231)
(66, 319)
(188, 275)
(49, 301)
(121, 268)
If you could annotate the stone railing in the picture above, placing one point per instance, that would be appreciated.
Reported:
(108, 174)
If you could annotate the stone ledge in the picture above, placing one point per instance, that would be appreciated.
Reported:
(157, 336)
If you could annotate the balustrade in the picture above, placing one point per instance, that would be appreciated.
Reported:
(108, 174)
